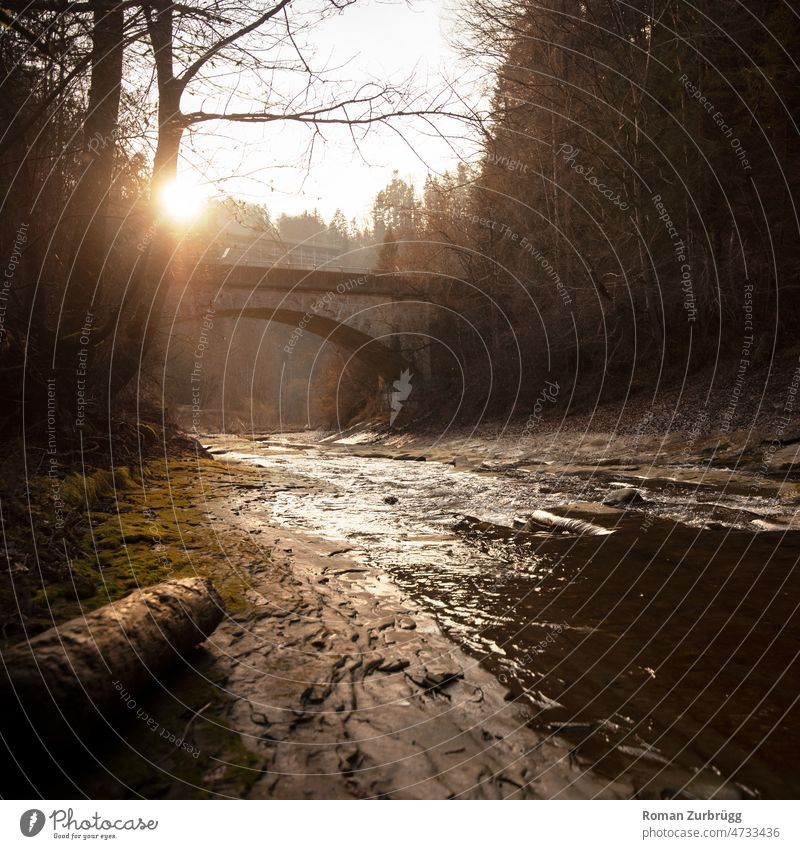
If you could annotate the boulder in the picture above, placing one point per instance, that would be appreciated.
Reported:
(626, 496)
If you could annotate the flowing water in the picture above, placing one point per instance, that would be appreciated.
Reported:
(666, 649)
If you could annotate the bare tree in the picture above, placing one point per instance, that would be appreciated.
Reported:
(239, 41)
(210, 51)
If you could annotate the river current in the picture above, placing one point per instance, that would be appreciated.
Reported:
(666, 649)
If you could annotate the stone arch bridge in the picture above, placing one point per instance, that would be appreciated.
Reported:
(222, 310)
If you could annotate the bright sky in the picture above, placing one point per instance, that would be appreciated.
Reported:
(383, 39)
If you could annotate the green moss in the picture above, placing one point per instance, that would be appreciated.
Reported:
(120, 537)
(79, 491)
(133, 534)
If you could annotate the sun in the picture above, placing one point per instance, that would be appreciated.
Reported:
(182, 200)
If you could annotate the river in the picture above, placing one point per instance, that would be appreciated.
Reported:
(666, 648)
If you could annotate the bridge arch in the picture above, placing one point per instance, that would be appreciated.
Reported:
(386, 362)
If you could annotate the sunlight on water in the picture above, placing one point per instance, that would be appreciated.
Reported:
(626, 643)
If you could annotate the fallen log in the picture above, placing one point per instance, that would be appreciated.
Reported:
(77, 670)
(539, 521)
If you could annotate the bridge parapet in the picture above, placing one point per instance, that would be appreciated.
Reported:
(265, 252)
(376, 316)
(259, 282)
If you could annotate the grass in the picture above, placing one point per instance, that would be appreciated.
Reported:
(121, 532)
(125, 528)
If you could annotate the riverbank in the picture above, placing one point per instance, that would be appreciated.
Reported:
(100, 534)
(321, 682)
(662, 651)
(642, 433)
(332, 677)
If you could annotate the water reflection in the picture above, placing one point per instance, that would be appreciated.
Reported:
(664, 649)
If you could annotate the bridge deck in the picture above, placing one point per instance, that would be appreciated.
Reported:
(314, 281)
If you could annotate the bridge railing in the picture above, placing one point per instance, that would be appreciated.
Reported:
(306, 258)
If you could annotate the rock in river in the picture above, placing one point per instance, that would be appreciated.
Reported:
(625, 497)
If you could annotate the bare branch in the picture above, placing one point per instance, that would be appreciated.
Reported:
(212, 51)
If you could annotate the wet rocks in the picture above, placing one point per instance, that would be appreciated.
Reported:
(542, 520)
(626, 496)
(435, 677)
(394, 665)
(543, 702)
(646, 753)
(570, 727)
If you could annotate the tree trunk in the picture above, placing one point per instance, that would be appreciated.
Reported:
(99, 137)
(153, 274)
(82, 380)
(82, 667)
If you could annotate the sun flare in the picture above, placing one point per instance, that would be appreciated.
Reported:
(182, 200)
